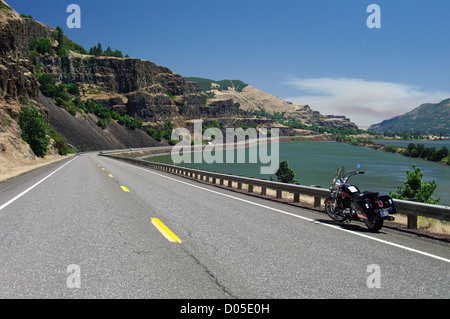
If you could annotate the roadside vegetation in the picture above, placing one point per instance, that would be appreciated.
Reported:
(416, 189)
(34, 129)
(36, 132)
(285, 174)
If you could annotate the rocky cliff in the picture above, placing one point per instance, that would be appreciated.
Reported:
(17, 72)
(17, 79)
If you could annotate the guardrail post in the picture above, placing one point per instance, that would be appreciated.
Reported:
(316, 199)
(412, 221)
(263, 190)
(279, 193)
(239, 185)
(296, 198)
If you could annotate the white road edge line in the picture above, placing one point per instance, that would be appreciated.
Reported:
(30, 188)
(296, 216)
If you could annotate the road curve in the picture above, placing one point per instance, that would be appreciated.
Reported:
(94, 227)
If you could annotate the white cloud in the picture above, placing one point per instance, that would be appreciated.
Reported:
(364, 102)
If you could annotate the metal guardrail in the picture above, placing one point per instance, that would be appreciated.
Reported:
(411, 209)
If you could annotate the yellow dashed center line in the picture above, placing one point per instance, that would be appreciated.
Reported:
(166, 232)
(110, 175)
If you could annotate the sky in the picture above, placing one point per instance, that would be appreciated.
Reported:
(316, 52)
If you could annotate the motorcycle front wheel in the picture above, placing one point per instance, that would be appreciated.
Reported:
(330, 208)
(374, 225)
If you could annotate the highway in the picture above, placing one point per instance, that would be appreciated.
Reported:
(95, 227)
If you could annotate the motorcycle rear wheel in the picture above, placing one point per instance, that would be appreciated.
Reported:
(374, 225)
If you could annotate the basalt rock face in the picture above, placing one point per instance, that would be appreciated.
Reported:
(16, 71)
(142, 89)
(125, 75)
(146, 91)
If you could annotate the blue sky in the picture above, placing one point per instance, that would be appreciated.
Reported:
(316, 52)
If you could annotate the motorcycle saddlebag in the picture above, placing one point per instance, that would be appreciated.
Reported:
(388, 202)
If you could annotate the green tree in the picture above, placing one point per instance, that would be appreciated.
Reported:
(285, 174)
(168, 128)
(416, 188)
(61, 49)
(48, 87)
(44, 46)
(96, 50)
(34, 129)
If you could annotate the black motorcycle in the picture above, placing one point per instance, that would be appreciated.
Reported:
(348, 203)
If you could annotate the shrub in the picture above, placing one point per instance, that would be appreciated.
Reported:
(415, 188)
(46, 79)
(60, 144)
(48, 87)
(44, 46)
(34, 129)
(135, 124)
(285, 174)
(73, 89)
(391, 149)
(102, 123)
(49, 90)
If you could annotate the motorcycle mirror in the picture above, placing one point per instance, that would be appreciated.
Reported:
(358, 165)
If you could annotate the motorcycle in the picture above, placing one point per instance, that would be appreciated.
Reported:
(347, 202)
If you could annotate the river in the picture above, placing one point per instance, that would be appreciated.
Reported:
(314, 163)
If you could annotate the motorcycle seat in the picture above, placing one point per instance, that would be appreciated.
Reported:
(368, 195)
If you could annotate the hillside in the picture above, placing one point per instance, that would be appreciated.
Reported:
(258, 102)
(428, 118)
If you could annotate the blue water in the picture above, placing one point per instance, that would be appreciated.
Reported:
(314, 163)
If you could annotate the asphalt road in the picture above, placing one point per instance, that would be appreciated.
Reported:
(82, 228)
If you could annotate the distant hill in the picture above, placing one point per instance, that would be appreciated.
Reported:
(253, 100)
(429, 118)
